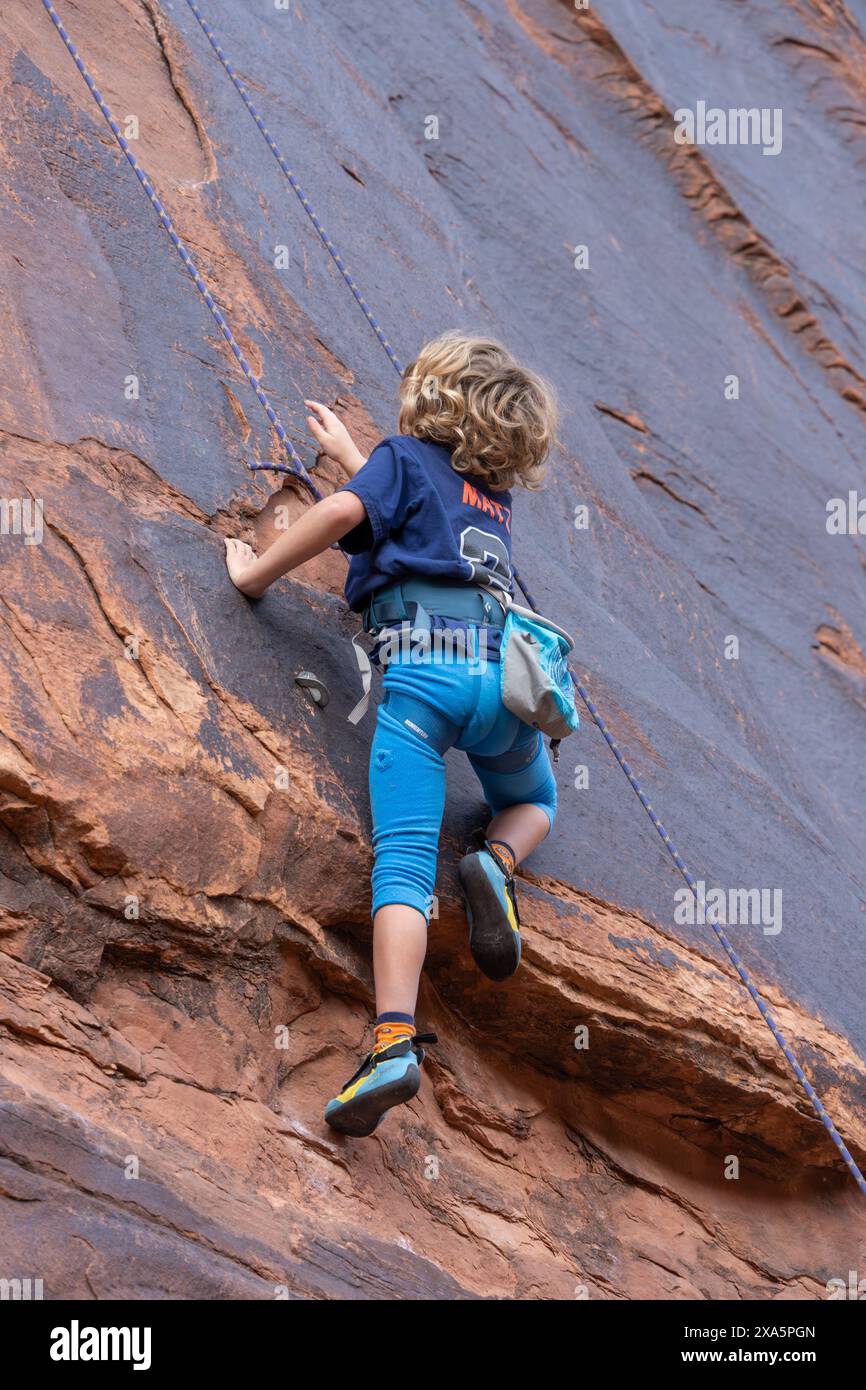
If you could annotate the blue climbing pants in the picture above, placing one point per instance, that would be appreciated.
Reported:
(429, 707)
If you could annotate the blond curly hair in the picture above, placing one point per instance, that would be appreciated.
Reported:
(498, 418)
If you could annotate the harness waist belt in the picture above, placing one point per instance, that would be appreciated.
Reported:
(401, 602)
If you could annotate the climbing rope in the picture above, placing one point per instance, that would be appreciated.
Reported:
(294, 466)
(579, 686)
(296, 187)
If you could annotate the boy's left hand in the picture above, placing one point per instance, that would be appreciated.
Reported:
(333, 438)
(239, 557)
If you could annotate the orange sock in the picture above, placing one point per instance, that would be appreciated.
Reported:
(506, 854)
(388, 1033)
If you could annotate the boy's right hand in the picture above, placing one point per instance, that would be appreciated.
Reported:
(333, 438)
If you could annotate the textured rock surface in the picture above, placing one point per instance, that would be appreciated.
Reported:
(525, 1168)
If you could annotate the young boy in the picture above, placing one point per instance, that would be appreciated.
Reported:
(426, 521)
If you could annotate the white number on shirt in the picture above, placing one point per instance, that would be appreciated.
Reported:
(487, 554)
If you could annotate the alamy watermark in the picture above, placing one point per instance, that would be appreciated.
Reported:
(729, 907)
(77, 1343)
(22, 516)
(20, 1290)
(853, 1288)
(418, 646)
(846, 516)
(740, 125)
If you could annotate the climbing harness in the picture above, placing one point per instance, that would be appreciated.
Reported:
(296, 467)
(410, 610)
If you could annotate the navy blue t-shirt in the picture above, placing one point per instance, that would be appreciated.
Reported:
(423, 518)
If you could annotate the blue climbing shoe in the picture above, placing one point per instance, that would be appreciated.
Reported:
(385, 1078)
(491, 910)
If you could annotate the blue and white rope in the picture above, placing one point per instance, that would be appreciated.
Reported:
(305, 202)
(294, 466)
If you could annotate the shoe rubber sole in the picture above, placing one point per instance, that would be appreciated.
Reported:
(360, 1116)
(493, 942)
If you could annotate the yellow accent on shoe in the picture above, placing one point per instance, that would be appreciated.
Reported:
(351, 1091)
